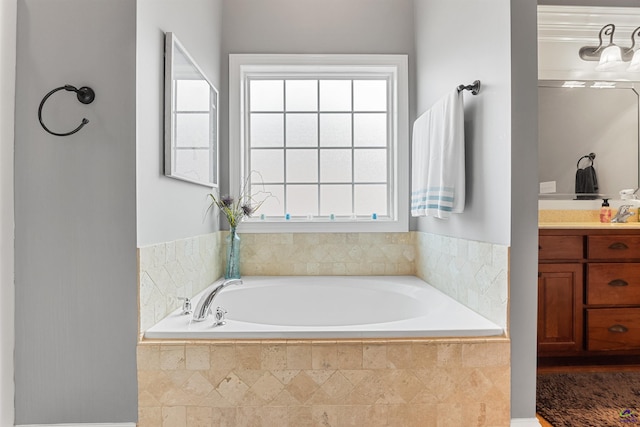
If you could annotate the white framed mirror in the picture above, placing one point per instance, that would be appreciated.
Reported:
(191, 118)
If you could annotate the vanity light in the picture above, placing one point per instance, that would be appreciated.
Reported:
(632, 52)
(612, 57)
(635, 62)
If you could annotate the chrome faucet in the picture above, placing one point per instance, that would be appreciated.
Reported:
(622, 214)
(203, 309)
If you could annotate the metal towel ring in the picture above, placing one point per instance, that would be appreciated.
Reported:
(85, 94)
(590, 156)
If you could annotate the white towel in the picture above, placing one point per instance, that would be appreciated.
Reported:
(438, 159)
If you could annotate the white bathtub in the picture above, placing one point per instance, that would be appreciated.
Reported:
(330, 307)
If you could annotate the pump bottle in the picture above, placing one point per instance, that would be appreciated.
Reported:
(605, 211)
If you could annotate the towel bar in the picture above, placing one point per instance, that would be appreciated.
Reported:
(474, 87)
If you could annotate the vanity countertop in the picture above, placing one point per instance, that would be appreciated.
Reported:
(587, 225)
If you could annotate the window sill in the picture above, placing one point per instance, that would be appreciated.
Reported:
(319, 226)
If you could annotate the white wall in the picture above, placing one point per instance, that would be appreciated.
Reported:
(75, 248)
(169, 209)
(457, 43)
(7, 110)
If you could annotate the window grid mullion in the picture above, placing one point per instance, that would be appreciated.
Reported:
(318, 149)
(353, 155)
(318, 146)
(284, 144)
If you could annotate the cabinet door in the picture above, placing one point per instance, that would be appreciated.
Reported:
(559, 308)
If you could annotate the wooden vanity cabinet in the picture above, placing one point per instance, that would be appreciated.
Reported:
(560, 286)
(589, 292)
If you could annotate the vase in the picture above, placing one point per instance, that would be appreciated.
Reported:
(232, 270)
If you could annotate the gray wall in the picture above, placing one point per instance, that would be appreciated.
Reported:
(314, 26)
(7, 90)
(455, 48)
(169, 209)
(75, 270)
(501, 146)
(523, 257)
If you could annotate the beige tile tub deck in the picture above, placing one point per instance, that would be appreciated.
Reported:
(296, 383)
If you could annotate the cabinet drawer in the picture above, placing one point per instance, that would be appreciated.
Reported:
(560, 247)
(613, 329)
(613, 247)
(613, 283)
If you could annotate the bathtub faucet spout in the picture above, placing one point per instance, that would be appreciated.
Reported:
(203, 309)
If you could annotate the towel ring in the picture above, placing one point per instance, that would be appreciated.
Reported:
(589, 156)
(85, 95)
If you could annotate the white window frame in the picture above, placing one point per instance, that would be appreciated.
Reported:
(242, 65)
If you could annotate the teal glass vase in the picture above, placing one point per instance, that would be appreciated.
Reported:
(232, 270)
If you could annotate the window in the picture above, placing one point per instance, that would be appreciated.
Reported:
(325, 136)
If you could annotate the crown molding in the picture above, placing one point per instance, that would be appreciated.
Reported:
(582, 23)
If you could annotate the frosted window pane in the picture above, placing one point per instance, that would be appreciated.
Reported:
(267, 130)
(335, 165)
(266, 95)
(302, 130)
(192, 130)
(335, 130)
(370, 165)
(335, 199)
(192, 95)
(273, 196)
(193, 164)
(302, 200)
(302, 166)
(370, 95)
(370, 130)
(335, 95)
(269, 164)
(302, 95)
(371, 199)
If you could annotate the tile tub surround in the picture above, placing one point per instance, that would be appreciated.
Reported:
(175, 269)
(332, 254)
(396, 383)
(473, 273)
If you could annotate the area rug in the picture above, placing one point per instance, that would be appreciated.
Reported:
(597, 399)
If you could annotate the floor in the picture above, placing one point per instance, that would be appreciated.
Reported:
(595, 365)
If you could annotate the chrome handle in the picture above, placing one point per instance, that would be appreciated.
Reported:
(219, 316)
(186, 305)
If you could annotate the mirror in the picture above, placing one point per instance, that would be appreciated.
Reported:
(579, 118)
(191, 118)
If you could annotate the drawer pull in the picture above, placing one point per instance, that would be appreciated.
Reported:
(618, 282)
(618, 246)
(618, 329)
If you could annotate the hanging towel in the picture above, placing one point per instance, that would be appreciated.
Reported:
(586, 180)
(438, 169)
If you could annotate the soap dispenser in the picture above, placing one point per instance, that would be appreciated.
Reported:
(605, 211)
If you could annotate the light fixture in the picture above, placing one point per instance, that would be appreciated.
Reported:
(633, 53)
(612, 57)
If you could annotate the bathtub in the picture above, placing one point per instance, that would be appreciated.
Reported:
(330, 307)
